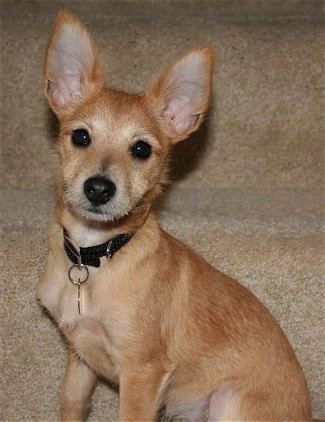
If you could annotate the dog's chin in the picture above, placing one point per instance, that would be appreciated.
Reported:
(100, 216)
(97, 214)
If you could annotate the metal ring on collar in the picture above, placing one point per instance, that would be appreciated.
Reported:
(83, 273)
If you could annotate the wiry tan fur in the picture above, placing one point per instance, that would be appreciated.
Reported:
(157, 320)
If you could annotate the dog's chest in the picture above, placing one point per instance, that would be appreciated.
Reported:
(100, 330)
(95, 343)
(97, 335)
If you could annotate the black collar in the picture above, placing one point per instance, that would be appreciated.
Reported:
(91, 256)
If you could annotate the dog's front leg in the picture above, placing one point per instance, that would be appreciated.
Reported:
(141, 392)
(79, 383)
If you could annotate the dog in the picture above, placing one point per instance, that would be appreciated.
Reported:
(136, 305)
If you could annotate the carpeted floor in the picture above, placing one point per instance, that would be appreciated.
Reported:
(249, 186)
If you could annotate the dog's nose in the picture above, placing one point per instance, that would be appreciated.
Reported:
(99, 190)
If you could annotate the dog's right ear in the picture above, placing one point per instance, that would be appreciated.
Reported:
(73, 71)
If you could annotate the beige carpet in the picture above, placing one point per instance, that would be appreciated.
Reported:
(249, 186)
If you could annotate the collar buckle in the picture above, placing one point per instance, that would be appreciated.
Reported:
(109, 253)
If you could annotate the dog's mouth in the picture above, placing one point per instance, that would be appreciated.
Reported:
(95, 210)
(110, 212)
(102, 214)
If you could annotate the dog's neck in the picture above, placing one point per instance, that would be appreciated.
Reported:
(89, 233)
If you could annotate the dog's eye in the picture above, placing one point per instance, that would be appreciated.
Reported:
(80, 138)
(141, 149)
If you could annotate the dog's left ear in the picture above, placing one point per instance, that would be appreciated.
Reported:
(73, 71)
(181, 94)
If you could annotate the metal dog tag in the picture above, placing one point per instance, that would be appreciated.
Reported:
(78, 274)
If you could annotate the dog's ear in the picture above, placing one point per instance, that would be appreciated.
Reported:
(73, 71)
(181, 94)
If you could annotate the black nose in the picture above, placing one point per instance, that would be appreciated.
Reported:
(99, 190)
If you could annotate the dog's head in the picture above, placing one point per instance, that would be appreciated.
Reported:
(113, 147)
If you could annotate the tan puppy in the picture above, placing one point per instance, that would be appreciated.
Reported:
(152, 316)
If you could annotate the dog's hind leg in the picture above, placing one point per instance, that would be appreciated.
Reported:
(79, 383)
(224, 404)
